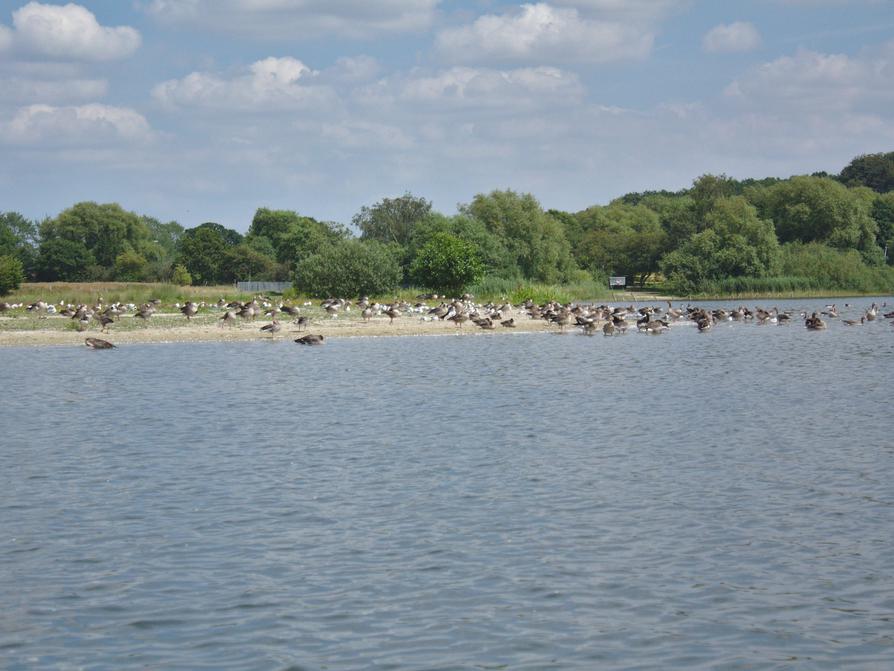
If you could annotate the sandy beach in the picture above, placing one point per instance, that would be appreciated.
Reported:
(412, 325)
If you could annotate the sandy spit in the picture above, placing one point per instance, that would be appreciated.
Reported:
(330, 328)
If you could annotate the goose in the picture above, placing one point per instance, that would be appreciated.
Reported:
(290, 310)
(98, 343)
(609, 329)
(228, 319)
(106, 321)
(145, 311)
(189, 310)
(310, 339)
(367, 313)
(272, 328)
(814, 323)
(301, 321)
(392, 313)
(459, 318)
(872, 313)
(508, 323)
(853, 322)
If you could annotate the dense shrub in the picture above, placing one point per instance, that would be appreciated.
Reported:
(447, 264)
(350, 268)
(11, 274)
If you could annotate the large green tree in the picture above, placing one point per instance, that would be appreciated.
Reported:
(735, 242)
(65, 260)
(873, 170)
(392, 219)
(491, 252)
(818, 209)
(534, 240)
(18, 238)
(104, 230)
(203, 249)
(620, 239)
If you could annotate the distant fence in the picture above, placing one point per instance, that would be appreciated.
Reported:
(259, 287)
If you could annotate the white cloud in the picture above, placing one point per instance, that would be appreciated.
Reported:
(817, 82)
(354, 68)
(271, 84)
(637, 10)
(23, 90)
(5, 38)
(738, 36)
(69, 31)
(79, 125)
(540, 32)
(480, 87)
(287, 19)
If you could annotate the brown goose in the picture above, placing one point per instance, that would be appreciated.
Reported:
(508, 323)
(310, 339)
(272, 328)
(228, 319)
(189, 310)
(814, 323)
(98, 343)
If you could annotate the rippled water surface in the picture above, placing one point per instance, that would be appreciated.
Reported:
(684, 501)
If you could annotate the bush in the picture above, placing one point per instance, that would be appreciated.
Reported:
(181, 276)
(349, 268)
(11, 274)
(130, 267)
(447, 264)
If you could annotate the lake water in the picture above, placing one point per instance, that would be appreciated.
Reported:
(717, 500)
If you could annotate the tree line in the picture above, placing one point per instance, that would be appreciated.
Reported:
(814, 232)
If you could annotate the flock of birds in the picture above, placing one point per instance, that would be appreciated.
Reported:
(590, 319)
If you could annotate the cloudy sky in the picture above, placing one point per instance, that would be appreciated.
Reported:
(204, 110)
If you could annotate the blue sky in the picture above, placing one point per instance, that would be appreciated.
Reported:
(204, 110)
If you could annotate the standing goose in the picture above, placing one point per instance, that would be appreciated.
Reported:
(272, 328)
(189, 310)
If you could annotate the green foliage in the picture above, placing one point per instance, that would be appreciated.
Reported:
(392, 220)
(63, 259)
(243, 262)
(534, 240)
(735, 242)
(706, 191)
(817, 209)
(18, 238)
(180, 276)
(289, 237)
(620, 239)
(883, 214)
(831, 268)
(12, 273)
(447, 264)
(491, 250)
(873, 170)
(104, 230)
(349, 268)
(203, 250)
(130, 267)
